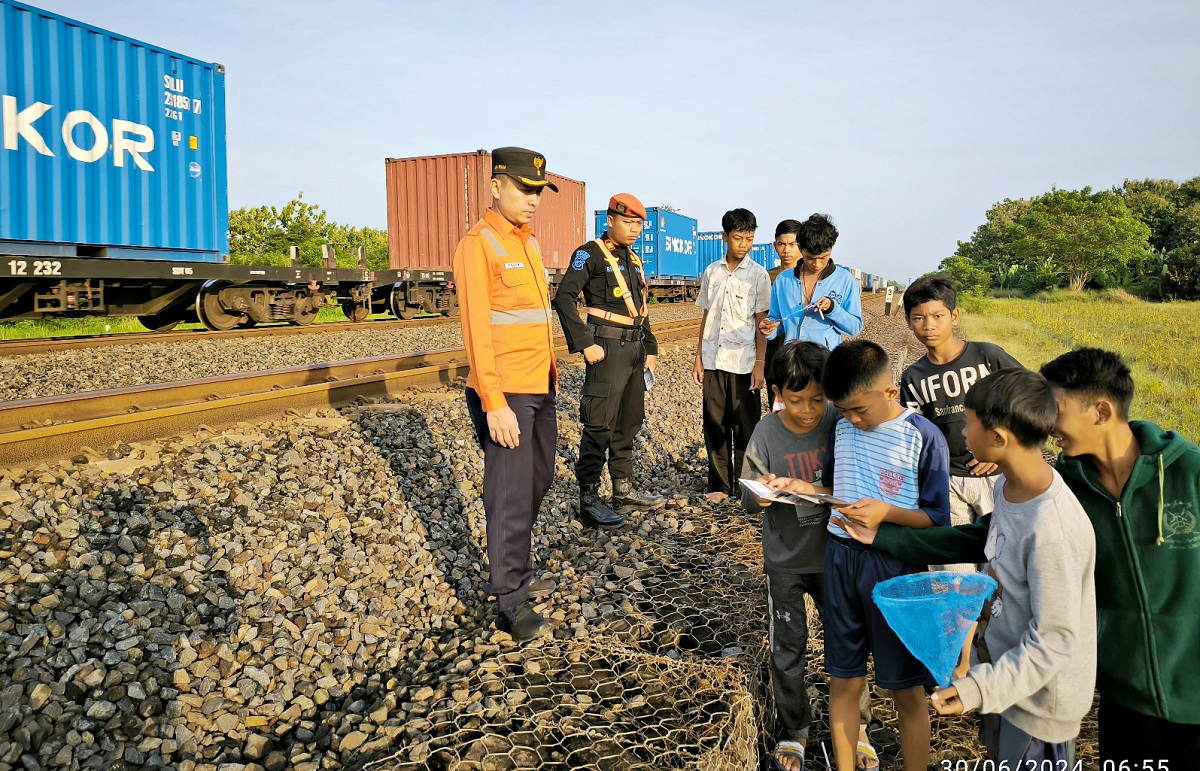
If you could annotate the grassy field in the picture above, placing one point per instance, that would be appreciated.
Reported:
(1161, 341)
(113, 325)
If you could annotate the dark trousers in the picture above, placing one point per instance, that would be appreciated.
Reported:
(1128, 735)
(514, 483)
(787, 626)
(731, 411)
(612, 406)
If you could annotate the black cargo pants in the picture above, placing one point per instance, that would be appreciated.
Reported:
(612, 405)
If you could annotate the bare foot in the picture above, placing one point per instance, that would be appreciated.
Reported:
(716, 497)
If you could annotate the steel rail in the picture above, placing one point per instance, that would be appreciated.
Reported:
(35, 431)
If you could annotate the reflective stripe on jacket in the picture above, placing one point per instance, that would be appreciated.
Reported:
(505, 311)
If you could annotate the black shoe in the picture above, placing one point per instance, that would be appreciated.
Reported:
(593, 512)
(625, 499)
(522, 623)
(541, 588)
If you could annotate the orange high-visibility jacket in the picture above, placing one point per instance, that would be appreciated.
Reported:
(504, 303)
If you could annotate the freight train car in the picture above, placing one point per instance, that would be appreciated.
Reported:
(764, 255)
(113, 186)
(432, 201)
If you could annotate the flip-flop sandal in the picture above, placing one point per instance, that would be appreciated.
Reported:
(865, 757)
(787, 749)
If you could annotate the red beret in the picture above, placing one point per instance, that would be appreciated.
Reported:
(626, 205)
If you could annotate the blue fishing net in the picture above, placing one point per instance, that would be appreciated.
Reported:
(932, 613)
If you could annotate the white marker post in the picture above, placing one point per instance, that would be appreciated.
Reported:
(887, 300)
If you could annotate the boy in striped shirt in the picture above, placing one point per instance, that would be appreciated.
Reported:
(893, 465)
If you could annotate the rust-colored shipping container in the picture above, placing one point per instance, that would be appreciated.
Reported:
(434, 200)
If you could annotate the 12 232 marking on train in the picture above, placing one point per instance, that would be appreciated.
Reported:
(40, 268)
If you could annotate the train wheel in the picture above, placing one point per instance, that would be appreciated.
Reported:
(160, 322)
(451, 312)
(306, 312)
(399, 308)
(355, 311)
(210, 312)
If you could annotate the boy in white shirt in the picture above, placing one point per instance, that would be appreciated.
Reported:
(735, 294)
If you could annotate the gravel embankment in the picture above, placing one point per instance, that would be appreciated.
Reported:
(307, 594)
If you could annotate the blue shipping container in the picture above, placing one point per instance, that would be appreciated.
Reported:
(712, 248)
(108, 144)
(667, 245)
(764, 255)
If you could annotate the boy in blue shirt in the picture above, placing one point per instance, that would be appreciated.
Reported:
(818, 300)
(894, 465)
(793, 443)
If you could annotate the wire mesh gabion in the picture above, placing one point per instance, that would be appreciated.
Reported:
(582, 705)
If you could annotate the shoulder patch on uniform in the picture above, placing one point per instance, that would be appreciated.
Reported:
(579, 260)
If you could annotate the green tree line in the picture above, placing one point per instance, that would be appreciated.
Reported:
(262, 235)
(1143, 236)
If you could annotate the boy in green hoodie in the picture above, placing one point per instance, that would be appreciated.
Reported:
(1140, 487)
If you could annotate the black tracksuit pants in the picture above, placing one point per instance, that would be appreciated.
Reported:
(514, 483)
(731, 411)
(612, 406)
(787, 625)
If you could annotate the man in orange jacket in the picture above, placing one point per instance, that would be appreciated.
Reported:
(504, 300)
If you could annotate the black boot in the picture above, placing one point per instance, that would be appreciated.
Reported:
(593, 512)
(522, 622)
(625, 499)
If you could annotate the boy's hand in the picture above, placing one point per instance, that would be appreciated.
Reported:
(869, 512)
(822, 306)
(758, 379)
(981, 469)
(767, 326)
(698, 371)
(790, 485)
(945, 701)
(857, 532)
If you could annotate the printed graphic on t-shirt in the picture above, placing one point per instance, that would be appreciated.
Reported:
(951, 383)
(890, 482)
(806, 465)
(938, 391)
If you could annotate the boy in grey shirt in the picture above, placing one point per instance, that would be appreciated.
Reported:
(794, 444)
(1036, 646)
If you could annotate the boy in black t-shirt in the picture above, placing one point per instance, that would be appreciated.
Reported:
(936, 385)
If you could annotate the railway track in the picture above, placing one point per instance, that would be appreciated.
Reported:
(81, 425)
(52, 344)
(25, 346)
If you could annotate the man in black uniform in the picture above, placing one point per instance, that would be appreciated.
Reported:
(619, 348)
